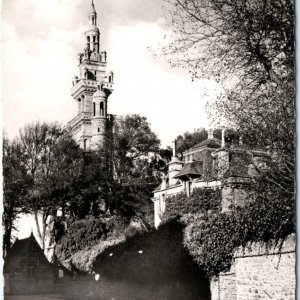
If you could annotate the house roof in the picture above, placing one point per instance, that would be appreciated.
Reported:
(21, 245)
(20, 249)
(212, 143)
(191, 169)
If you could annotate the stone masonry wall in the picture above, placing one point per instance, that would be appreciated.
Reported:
(224, 287)
(259, 273)
(265, 274)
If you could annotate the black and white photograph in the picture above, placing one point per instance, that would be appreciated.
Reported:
(148, 149)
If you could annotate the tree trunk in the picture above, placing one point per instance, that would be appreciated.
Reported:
(7, 238)
(38, 228)
(44, 218)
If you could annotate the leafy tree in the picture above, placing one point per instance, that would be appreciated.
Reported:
(133, 139)
(136, 165)
(90, 187)
(51, 159)
(247, 46)
(64, 175)
(250, 41)
(15, 184)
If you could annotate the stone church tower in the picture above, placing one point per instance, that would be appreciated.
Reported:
(92, 125)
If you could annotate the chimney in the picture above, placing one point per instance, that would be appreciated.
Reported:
(164, 182)
(174, 148)
(210, 133)
(223, 138)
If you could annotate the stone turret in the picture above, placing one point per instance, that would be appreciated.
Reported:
(99, 119)
(175, 165)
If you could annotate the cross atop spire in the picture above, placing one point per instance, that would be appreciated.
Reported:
(93, 6)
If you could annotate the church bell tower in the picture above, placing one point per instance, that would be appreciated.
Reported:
(92, 125)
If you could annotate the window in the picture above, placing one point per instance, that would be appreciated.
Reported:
(94, 108)
(88, 39)
(101, 109)
(79, 105)
(90, 75)
(84, 144)
(94, 39)
(98, 129)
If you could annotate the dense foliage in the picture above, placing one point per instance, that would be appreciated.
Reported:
(85, 233)
(212, 237)
(201, 200)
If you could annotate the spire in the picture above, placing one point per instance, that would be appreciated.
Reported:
(93, 15)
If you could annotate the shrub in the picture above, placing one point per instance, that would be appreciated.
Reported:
(86, 233)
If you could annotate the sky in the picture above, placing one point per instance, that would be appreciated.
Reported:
(40, 43)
